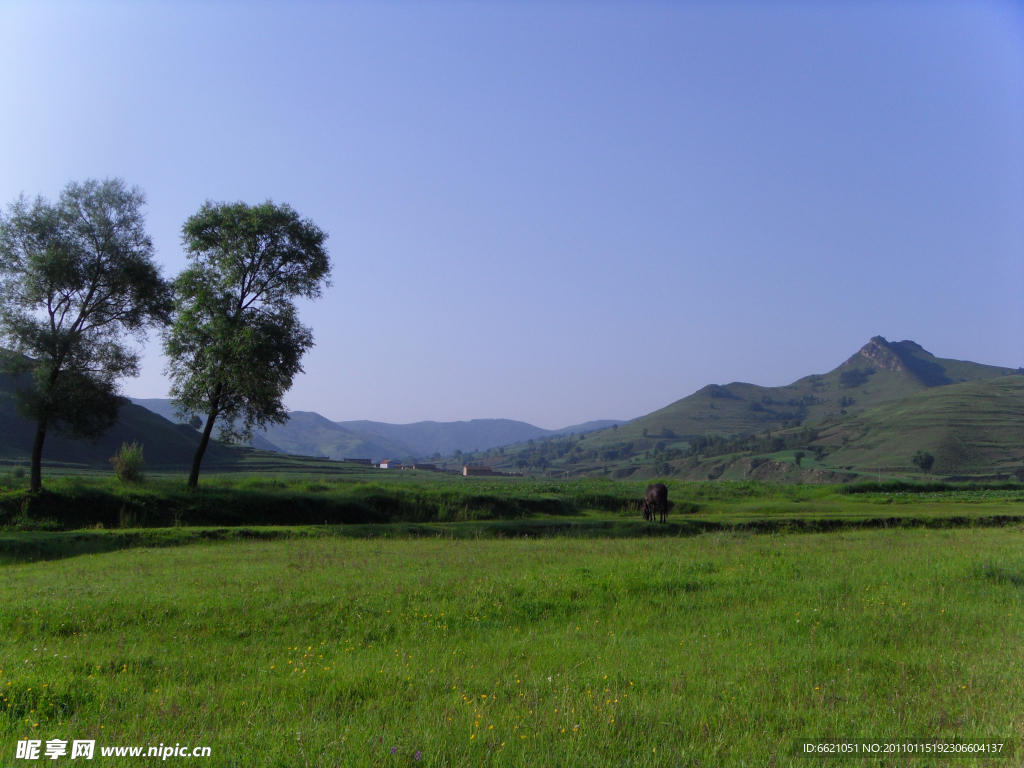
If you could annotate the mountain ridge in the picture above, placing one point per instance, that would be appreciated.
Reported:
(308, 433)
(879, 372)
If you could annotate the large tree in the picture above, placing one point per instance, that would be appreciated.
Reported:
(236, 343)
(76, 278)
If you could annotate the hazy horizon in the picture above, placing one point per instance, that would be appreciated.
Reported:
(556, 213)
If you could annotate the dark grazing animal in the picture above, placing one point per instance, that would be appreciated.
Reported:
(655, 502)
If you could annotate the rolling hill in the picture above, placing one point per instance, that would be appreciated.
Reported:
(880, 372)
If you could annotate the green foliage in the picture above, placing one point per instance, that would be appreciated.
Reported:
(720, 392)
(557, 651)
(76, 277)
(855, 377)
(128, 463)
(798, 457)
(236, 343)
(923, 460)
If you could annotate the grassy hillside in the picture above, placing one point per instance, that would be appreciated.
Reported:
(970, 427)
(166, 445)
(163, 407)
(880, 372)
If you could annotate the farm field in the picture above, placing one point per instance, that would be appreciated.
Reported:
(714, 649)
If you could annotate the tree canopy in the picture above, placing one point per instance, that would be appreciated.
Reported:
(76, 277)
(236, 343)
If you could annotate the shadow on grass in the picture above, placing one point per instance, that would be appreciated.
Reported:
(31, 546)
(999, 574)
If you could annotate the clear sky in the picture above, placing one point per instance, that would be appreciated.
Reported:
(558, 212)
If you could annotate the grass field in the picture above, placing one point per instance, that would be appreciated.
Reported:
(718, 649)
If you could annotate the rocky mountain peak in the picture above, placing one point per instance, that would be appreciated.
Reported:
(877, 353)
(902, 356)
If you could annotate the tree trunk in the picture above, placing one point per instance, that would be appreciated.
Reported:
(36, 471)
(193, 478)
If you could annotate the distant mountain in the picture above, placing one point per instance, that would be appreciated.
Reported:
(311, 434)
(427, 437)
(880, 372)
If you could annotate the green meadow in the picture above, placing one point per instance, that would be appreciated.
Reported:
(720, 648)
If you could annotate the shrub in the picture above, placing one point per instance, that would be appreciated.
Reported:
(855, 377)
(923, 460)
(128, 463)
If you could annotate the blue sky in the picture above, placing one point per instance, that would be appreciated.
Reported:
(557, 212)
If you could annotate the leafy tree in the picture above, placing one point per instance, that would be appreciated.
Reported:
(798, 457)
(76, 277)
(923, 460)
(236, 343)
